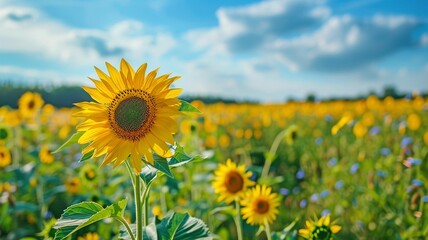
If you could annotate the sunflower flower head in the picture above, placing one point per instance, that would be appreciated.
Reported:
(260, 205)
(231, 181)
(5, 158)
(321, 229)
(30, 104)
(45, 155)
(132, 116)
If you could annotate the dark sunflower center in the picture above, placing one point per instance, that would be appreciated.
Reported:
(89, 174)
(1, 155)
(31, 104)
(3, 133)
(261, 206)
(234, 182)
(131, 114)
(321, 233)
(294, 135)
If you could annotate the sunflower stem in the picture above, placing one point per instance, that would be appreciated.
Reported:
(127, 227)
(145, 201)
(267, 231)
(271, 155)
(238, 220)
(138, 207)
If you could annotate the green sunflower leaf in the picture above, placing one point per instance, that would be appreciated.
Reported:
(87, 156)
(148, 174)
(181, 158)
(80, 215)
(72, 140)
(182, 226)
(161, 164)
(187, 107)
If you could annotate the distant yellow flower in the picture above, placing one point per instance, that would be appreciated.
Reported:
(248, 133)
(359, 130)
(231, 181)
(157, 211)
(368, 119)
(210, 141)
(224, 141)
(73, 185)
(33, 182)
(185, 126)
(5, 158)
(413, 121)
(89, 236)
(133, 115)
(64, 131)
(12, 118)
(320, 229)
(45, 155)
(29, 104)
(260, 205)
(258, 133)
(7, 187)
(1, 188)
(239, 133)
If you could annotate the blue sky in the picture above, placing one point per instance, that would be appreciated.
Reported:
(267, 50)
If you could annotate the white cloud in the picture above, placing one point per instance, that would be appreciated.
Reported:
(346, 43)
(252, 26)
(28, 31)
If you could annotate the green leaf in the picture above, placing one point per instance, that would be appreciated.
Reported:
(182, 226)
(181, 158)
(148, 174)
(161, 164)
(187, 107)
(87, 156)
(72, 140)
(83, 214)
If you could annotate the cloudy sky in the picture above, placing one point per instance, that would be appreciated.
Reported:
(267, 50)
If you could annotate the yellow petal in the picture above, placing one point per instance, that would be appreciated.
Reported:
(335, 228)
(304, 233)
(327, 220)
(115, 77)
(140, 76)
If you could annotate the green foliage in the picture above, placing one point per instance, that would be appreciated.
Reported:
(83, 214)
(72, 140)
(187, 107)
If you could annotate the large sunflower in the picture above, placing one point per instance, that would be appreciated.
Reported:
(231, 181)
(132, 116)
(5, 158)
(29, 104)
(320, 229)
(260, 205)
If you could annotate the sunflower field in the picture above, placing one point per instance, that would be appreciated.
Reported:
(137, 162)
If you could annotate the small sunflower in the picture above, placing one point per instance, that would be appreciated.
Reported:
(292, 134)
(73, 185)
(5, 158)
(29, 104)
(231, 181)
(133, 115)
(45, 155)
(320, 229)
(260, 205)
(89, 172)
